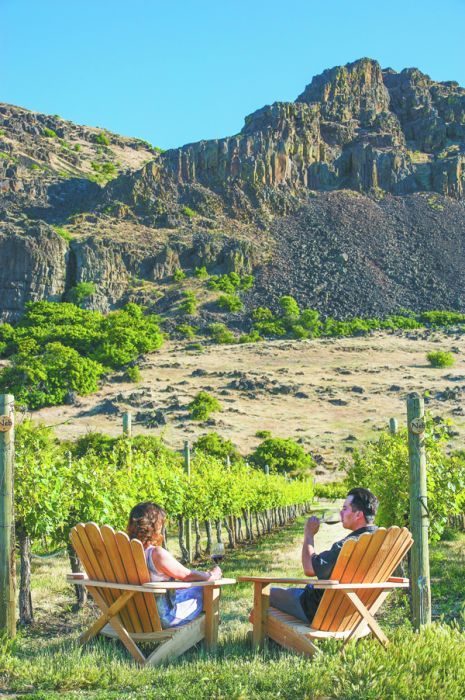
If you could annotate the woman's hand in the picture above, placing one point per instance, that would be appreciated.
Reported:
(216, 573)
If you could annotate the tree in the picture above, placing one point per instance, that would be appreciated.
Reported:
(214, 444)
(282, 455)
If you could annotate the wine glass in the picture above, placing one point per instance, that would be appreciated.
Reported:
(330, 517)
(217, 552)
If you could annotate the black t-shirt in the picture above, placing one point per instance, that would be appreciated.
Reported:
(323, 565)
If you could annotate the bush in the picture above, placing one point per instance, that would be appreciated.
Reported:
(63, 233)
(230, 302)
(252, 337)
(214, 444)
(220, 334)
(49, 133)
(203, 405)
(230, 282)
(45, 379)
(282, 455)
(185, 330)
(133, 374)
(187, 211)
(440, 358)
(201, 273)
(290, 308)
(261, 313)
(81, 292)
(102, 139)
(195, 347)
(263, 434)
(54, 338)
(179, 275)
(189, 304)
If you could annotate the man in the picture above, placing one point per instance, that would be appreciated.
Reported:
(357, 514)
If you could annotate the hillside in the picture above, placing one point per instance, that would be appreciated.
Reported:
(351, 199)
(328, 394)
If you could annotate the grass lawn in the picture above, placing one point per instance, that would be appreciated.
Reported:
(46, 662)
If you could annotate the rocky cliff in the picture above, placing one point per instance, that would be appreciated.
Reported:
(351, 198)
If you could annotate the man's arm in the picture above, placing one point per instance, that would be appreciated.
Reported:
(308, 547)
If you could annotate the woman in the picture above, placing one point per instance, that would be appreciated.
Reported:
(146, 522)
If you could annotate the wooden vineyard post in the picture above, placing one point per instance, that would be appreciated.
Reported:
(419, 520)
(127, 423)
(393, 426)
(187, 466)
(7, 545)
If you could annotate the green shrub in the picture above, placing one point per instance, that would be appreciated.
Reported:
(102, 139)
(290, 308)
(77, 147)
(56, 348)
(230, 302)
(217, 446)
(440, 358)
(195, 347)
(185, 330)
(441, 318)
(261, 313)
(133, 374)
(46, 378)
(49, 133)
(179, 275)
(104, 172)
(220, 334)
(63, 233)
(263, 434)
(282, 455)
(189, 304)
(81, 292)
(190, 213)
(230, 282)
(203, 405)
(201, 273)
(252, 337)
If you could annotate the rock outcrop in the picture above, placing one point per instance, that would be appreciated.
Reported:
(326, 198)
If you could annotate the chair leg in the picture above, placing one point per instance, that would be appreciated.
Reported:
(261, 603)
(367, 617)
(110, 614)
(211, 604)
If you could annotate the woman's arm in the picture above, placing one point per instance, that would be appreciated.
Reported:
(167, 564)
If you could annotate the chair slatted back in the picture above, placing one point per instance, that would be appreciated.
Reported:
(371, 559)
(111, 556)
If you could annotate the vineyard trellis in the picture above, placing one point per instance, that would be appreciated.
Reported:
(58, 485)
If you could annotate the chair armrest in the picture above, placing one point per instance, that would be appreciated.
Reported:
(273, 579)
(381, 585)
(398, 579)
(179, 585)
(90, 583)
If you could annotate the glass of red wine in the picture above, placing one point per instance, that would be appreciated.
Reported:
(330, 517)
(217, 552)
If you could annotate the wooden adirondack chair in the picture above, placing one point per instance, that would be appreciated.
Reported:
(118, 579)
(362, 579)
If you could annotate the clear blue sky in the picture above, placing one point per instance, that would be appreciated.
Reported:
(180, 71)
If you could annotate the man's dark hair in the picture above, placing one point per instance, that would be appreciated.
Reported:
(364, 500)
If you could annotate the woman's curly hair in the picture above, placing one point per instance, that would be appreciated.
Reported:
(146, 521)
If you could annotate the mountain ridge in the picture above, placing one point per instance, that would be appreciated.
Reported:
(393, 142)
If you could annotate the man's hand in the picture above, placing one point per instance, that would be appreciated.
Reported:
(312, 526)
